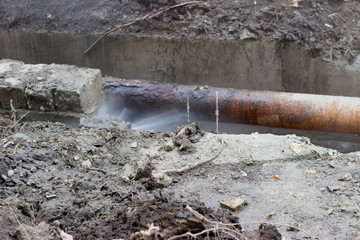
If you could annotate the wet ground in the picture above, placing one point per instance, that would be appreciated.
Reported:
(108, 183)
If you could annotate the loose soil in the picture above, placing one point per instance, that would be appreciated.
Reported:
(108, 183)
(328, 28)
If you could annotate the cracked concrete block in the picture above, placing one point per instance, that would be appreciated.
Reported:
(80, 89)
(53, 87)
(40, 95)
(11, 87)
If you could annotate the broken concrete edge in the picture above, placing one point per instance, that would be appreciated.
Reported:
(48, 88)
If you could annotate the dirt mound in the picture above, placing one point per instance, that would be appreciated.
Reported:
(111, 183)
(85, 179)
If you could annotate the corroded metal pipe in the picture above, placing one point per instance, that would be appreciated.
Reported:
(266, 108)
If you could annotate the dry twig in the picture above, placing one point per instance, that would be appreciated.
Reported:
(204, 219)
(97, 169)
(337, 14)
(16, 148)
(22, 227)
(22, 117)
(218, 228)
(13, 115)
(187, 168)
(195, 235)
(146, 17)
(199, 215)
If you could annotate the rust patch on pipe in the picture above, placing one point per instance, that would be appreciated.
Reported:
(273, 109)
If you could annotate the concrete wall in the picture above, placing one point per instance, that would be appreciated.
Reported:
(221, 63)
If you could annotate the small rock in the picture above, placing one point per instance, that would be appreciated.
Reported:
(332, 152)
(148, 133)
(346, 177)
(233, 27)
(33, 169)
(246, 34)
(99, 142)
(77, 158)
(328, 25)
(86, 164)
(161, 178)
(233, 204)
(4, 177)
(20, 137)
(333, 188)
(108, 136)
(225, 33)
(295, 147)
(249, 163)
(10, 173)
(243, 173)
(24, 174)
(134, 145)
(169, 146)
(43, 144)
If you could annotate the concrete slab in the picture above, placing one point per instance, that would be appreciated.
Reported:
(47, 88)
(10, 87)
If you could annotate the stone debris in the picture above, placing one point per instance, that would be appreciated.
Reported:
(333, 188)
(168, 146)
(346, 177)
(10, 173)
(233, 204)
(86, 164)
(20, 137)
(295, 147)
(134, 145)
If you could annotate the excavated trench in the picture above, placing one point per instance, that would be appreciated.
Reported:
(104, 182)
(241, 64)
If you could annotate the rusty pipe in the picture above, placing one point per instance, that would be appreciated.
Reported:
(265, 108)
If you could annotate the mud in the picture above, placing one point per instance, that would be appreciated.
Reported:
(100, 185)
